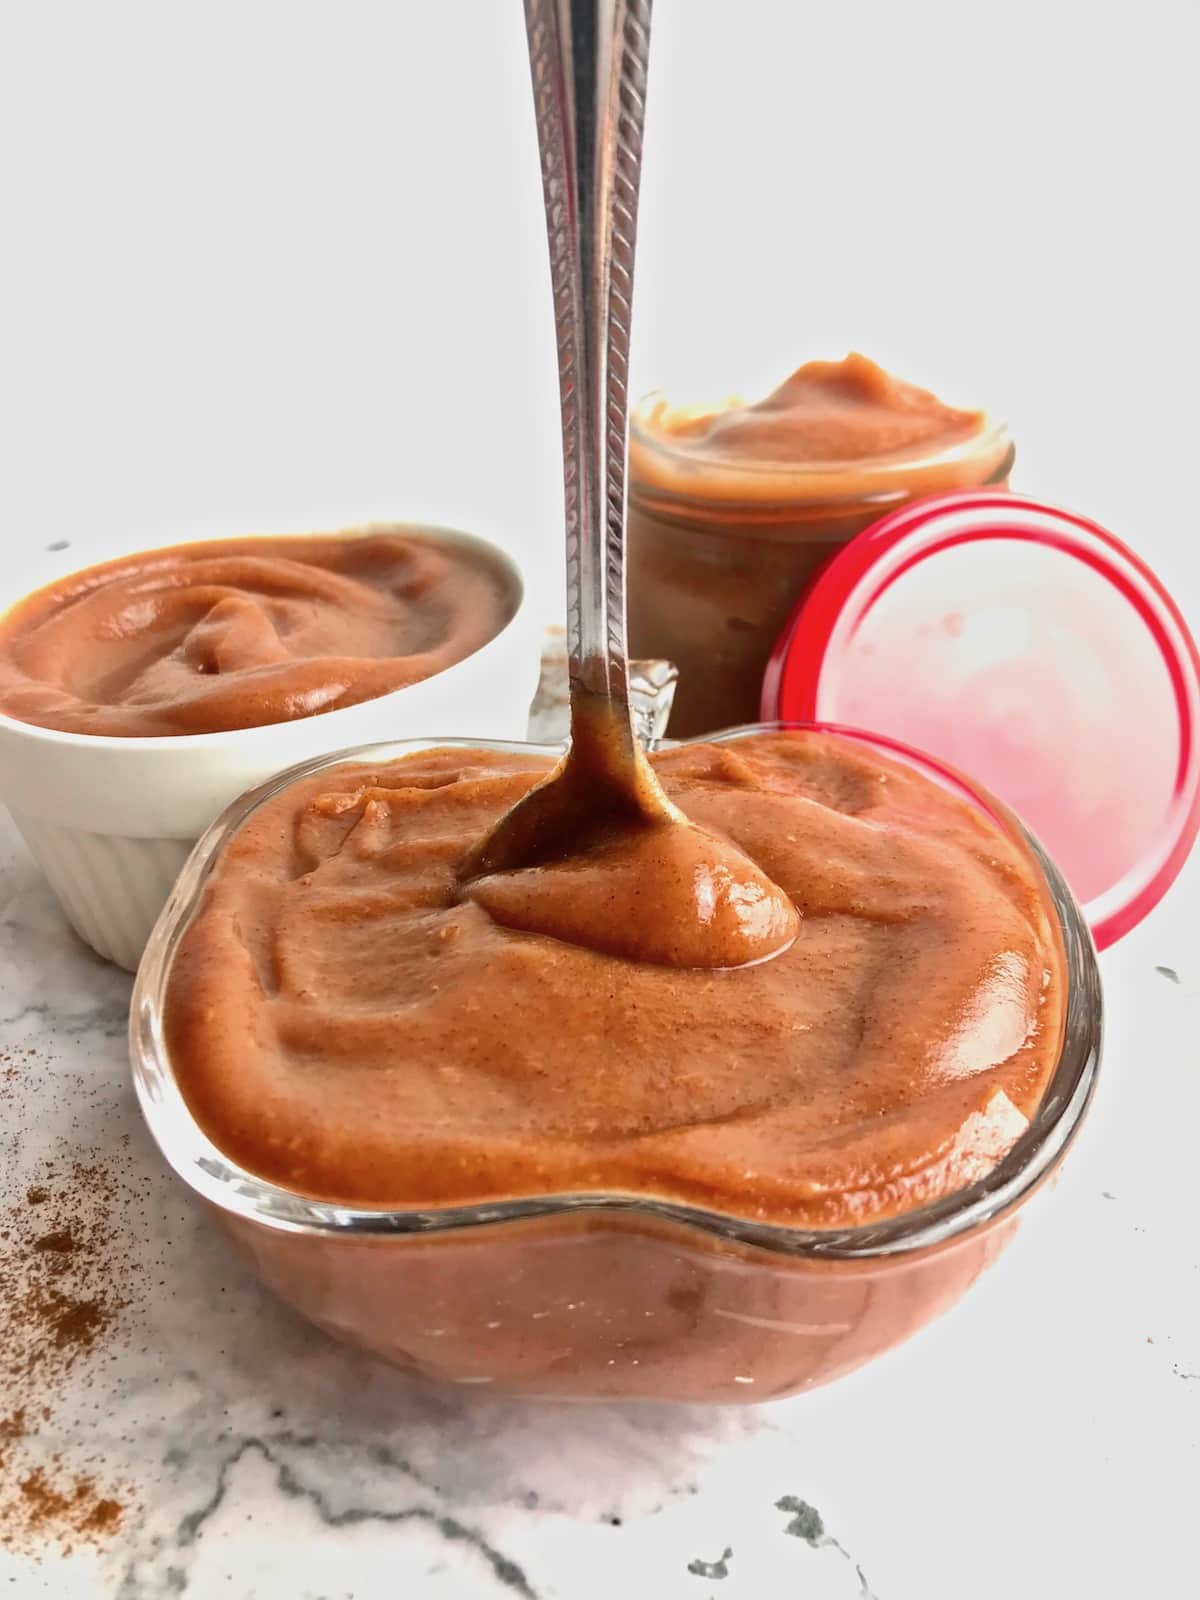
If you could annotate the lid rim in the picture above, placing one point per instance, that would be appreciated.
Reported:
(829, 612)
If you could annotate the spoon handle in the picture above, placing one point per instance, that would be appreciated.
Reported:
(588, 62)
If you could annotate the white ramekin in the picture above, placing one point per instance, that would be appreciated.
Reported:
(111, 820)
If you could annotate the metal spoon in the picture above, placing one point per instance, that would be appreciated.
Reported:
(635, 878)
(588, 62)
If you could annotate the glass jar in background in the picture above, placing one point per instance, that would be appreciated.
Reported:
(723, 541)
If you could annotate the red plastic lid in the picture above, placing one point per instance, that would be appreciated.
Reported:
(1036, 653)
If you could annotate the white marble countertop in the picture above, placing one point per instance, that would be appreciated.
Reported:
(1042, 1440)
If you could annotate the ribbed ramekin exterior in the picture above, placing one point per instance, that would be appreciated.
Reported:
(112, 888)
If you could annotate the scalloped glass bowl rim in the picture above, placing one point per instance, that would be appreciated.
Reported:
(231, 1189)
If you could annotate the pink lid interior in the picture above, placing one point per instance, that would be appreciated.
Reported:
(1036, 653)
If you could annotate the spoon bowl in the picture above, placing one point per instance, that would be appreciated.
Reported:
(588, 66)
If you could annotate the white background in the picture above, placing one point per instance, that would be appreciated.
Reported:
(281, 265)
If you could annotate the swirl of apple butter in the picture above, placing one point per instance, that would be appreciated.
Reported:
(345, 1021)
(240, 633)
(582, 855)
(710, 905)
(832, 429)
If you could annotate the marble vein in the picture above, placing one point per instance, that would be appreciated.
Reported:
(807, 1524)
(108, 1020)
(712, 1569)
(507, 1572)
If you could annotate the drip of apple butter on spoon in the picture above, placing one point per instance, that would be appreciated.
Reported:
(596, 854)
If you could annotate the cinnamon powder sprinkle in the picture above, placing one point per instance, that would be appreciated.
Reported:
(62, 1242)
(61, 1277)
(77, 1507)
